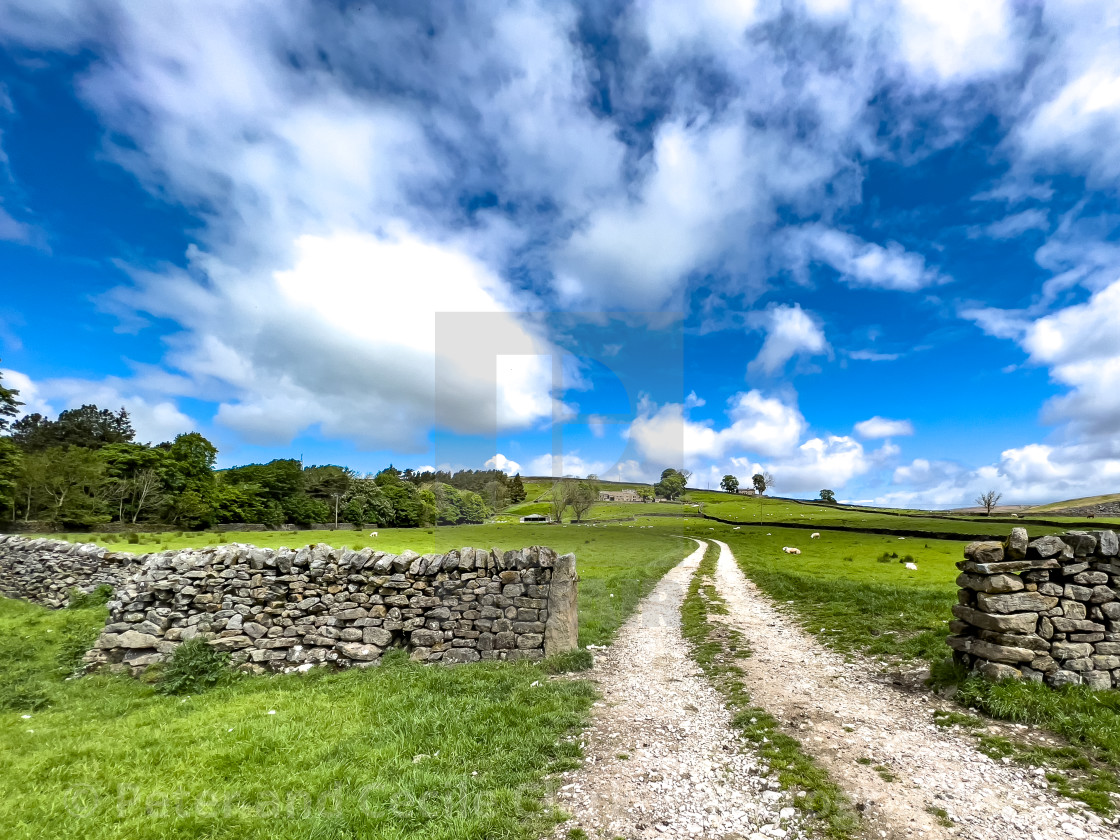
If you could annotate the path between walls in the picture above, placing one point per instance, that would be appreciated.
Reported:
(685, 772)
(841, 714)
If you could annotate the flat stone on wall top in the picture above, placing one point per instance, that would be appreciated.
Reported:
(1045, 610)
(288, 608)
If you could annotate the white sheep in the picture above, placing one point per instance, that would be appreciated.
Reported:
(373, 533)
(789, 550)
(814, 536)
(912, 567)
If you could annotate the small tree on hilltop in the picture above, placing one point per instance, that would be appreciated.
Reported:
(730, 483)
(988, 501)
(762, 482)
(828, 496)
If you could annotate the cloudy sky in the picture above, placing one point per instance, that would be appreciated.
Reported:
(869, 246)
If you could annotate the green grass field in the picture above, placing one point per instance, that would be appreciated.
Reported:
(770, 511)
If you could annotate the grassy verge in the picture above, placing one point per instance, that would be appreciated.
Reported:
(715, 648)
(1085, 767)
(396, 751)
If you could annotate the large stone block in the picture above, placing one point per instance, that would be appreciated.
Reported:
(562, 628)
(987, 551)
(994, 584)
(996, 671)
(1000, 653)
(1015, 602)
(1108, 545)
(1017, 623)
(1048, 546)
(1082, 542)
(1017, 542)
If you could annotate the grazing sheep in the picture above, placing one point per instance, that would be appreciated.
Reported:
(373, 533)
(814, 536)
(789, 550)
(912, 567)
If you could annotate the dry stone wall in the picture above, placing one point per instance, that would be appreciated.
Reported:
(1043, 610)
(288, 609)
(46, 571)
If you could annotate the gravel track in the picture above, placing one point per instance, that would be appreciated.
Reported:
(685, 772)
(841, 713)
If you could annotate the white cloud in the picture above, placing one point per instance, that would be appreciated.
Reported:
(957, 40)
(758, 424)
(575, 465)
(790, 331)
(1016, 224)
(348, 343)
(881, 427)
(860, 263)
(501, 462)
(872, 356)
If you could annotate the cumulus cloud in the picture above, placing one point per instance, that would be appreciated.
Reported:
(501, 462)
(881, 427)
(790, 331)
(666, 435)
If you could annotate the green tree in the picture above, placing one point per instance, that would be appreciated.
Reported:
(474, 508)
(560, 498)
(8, 405)
(672, 484)
(66, 481)
(730, 483)
(516, 490)
(366, 502)
(646, 494)
(581, 497)
(11, 466)
(88, 427)
(828, 496)
(408, 511)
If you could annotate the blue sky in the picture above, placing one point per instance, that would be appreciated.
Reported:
(869, 246)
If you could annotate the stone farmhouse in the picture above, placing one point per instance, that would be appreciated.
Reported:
(619, 496)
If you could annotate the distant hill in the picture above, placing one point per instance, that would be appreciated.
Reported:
(1073, 504)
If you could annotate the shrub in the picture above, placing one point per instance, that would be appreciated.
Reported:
(132, 537)
(195, 666)
(909, 558)
(99, 597)
(884, 558)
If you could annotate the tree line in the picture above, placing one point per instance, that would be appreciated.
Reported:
(84, 468)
